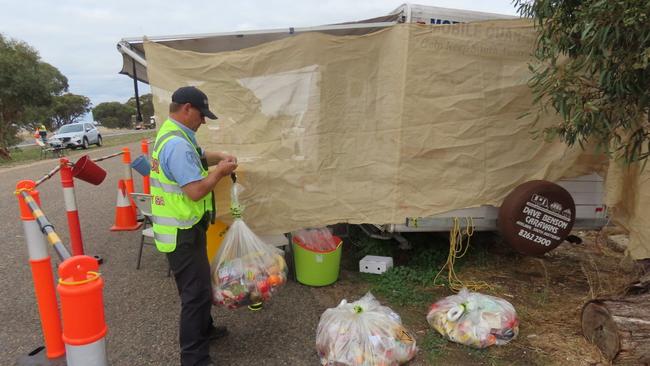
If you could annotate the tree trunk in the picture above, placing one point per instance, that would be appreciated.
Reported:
(620, 328)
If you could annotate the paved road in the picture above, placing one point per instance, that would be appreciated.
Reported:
(142, 306)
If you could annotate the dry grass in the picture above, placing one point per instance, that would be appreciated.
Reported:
(548, 294)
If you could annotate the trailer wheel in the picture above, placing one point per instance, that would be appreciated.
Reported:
(536, 217)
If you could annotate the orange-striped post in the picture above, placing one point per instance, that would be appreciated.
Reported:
(82, 306)
(76, 242)
(41, 271)
(144, 145)
(128, 174)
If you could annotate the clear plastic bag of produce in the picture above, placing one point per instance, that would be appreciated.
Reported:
(320, 240)
(363, 333)
(474, 319)
(246, 271)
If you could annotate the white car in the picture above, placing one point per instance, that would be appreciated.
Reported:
(76, 135)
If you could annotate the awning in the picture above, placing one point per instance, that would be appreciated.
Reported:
(133, 55)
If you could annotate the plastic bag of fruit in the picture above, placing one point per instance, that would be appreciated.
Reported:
(474, 319)
(363, 333)
(320, 239)
(246, 271)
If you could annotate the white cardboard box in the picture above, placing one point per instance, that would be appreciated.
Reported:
(375, 264)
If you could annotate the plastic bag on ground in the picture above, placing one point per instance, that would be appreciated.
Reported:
(474, 319)
(320, 240)
(363, 333)
(246, 270)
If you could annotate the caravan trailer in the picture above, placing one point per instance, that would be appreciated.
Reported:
(586, 192)
(423, 14)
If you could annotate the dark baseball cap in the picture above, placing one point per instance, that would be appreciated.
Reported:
(197, 98)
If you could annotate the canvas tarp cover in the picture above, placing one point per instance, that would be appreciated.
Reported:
(408, 121)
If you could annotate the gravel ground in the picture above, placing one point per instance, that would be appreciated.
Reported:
(141, 306)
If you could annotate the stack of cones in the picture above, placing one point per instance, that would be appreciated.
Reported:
(125, 213)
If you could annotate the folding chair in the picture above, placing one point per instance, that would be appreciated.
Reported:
(45, 149)
(143, 202)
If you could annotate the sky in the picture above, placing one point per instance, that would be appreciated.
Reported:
(79, 37)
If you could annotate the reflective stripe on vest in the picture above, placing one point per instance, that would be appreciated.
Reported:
(164, 137)
(167, 239)
(171, 221)
(169, 188)
(171, 208)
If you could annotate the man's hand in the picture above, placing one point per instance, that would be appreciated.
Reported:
(227, 166)
(230, 158)
(214, 157)
(199, 189)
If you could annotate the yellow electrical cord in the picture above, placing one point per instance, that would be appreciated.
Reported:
(457, 249)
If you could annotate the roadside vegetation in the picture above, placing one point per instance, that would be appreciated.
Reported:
(35, 94)
(28, 154)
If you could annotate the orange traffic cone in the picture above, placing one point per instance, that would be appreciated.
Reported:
(124, 213)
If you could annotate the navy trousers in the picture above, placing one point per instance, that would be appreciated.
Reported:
(191, 268)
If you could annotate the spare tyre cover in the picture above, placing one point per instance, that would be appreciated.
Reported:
(536, 217)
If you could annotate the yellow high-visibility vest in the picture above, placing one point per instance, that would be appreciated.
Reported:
(170, 207)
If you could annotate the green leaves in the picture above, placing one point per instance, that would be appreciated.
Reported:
(27, 83)
(69, 108)
(114, 114)
(592, 67)
(146, 105)
(119, 115)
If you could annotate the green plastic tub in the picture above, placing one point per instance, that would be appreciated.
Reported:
(316, 268)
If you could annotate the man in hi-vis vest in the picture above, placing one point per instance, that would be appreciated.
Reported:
(183, 205)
